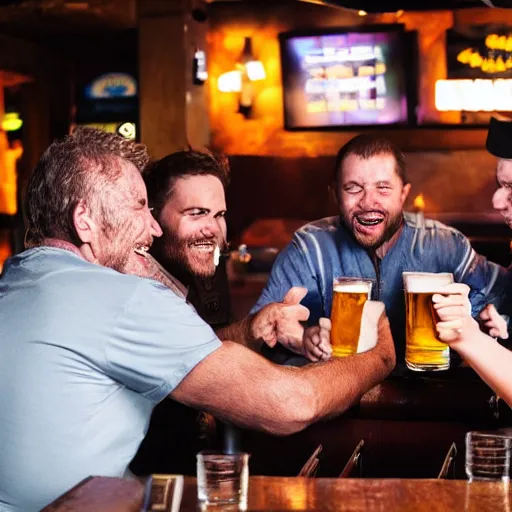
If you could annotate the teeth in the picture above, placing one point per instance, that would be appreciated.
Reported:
(142, 249)
(369, 221)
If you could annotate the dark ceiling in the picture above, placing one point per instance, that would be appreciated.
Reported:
(49, 21)
(413, 5)
(45, 20)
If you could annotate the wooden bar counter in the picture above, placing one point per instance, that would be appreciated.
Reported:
(325, 494)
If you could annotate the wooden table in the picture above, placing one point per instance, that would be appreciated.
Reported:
(279, 493)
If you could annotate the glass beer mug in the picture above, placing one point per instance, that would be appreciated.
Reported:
(348, 298)
(423, 351)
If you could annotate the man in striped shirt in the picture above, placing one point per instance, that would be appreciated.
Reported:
(373, 238)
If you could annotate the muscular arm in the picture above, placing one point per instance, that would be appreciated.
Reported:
(242, 387)
(240, 332)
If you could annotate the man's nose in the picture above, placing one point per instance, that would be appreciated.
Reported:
(368, 199)
(499, 199)
(210, 227)
(155, 228)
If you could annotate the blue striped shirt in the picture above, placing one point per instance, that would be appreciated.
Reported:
(325, 249)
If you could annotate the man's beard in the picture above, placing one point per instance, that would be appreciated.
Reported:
(181, 260)
(120, 245)
(392, 226)
(116, 261)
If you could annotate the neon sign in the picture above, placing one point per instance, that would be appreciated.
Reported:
(480, 95)
(112, 85)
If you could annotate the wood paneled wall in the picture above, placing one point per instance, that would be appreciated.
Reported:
(230, 22)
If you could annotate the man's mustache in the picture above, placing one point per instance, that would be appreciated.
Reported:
(216, 240)
(363, 212)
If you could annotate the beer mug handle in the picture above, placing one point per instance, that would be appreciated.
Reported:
(435, 319)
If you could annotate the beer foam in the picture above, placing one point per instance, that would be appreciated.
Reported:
(426, 283)
(352, 288)
(216, 256)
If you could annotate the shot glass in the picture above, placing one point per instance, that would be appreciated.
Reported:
(487, 457)
(223, 479)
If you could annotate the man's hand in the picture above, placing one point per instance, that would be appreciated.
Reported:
(280, 321)
(317, 341)
(494, 323)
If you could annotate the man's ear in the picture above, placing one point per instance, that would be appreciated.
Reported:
(85, 226)
(405, 192)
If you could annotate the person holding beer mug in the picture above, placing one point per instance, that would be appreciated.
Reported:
(491, 361)
(462, 333)
(373, 239)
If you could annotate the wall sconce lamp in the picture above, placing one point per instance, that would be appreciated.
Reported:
(247, 70)
(11, 122)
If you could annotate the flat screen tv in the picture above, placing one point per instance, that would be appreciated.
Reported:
(344, 77)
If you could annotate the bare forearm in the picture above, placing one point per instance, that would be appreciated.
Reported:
(239, 386)
(240, 332)
(340, 383)
(491, 361)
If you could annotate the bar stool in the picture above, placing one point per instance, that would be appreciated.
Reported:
(310, 469)
(448, 468)
(354, 466)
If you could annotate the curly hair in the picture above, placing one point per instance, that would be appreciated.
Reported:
(161, 176)
(71, 170)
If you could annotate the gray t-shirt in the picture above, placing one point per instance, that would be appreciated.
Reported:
(85, 354)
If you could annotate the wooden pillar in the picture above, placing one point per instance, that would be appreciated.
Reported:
(173, 111)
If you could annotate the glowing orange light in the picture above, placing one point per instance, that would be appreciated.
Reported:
(419, 202)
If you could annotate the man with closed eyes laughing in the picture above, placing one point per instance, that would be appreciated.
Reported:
(373, 238)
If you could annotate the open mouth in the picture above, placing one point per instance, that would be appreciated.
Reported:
(203, 246)
(369, 219)
(141, 249)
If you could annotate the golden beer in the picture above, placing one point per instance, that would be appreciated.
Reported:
(349, 296)
(423, 351)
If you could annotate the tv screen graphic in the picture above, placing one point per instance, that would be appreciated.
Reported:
(344, 78)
